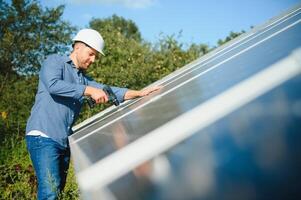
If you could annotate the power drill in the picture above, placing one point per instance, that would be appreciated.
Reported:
(111, 96)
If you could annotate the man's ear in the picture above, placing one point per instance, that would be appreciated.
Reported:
(77, 45)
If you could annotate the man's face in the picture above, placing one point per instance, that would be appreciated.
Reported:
(85, 56)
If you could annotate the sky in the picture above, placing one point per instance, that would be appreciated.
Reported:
(190, 21)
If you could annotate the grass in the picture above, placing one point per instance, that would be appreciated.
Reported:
(17, 178)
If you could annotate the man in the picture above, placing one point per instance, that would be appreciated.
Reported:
(61, 92)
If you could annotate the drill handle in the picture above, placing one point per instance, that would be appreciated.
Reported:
(91, 102)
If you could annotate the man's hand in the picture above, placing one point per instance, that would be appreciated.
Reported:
(97, 94)
(147, 91)
(131, 94)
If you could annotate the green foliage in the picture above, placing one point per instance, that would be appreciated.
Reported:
(17, 96)
(71, 190)
(17, 178)
(168, 55)
(28, 33)
(115, 23)
(231, 36)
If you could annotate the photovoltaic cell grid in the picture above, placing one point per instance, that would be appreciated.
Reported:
(225, 126)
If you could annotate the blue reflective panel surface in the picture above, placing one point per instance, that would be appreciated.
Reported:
(253, 153)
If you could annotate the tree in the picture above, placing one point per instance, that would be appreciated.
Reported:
(231, 36)
(28, 33)
(115, 23)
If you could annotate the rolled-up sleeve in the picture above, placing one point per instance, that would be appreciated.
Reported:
(119, 92)
(52, 76)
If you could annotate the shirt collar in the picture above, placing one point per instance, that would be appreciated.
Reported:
(68, 60)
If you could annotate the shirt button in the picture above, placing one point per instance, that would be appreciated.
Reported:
(73, 103)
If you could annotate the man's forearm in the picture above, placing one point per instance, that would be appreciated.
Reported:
(97, 94)
(131, 94)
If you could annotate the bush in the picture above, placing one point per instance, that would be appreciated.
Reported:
(17, 178)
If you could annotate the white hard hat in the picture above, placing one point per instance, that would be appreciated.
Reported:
(92, 38)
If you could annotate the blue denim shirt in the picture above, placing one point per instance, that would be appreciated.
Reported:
(60, 97)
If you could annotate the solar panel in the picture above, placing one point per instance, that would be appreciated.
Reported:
(225, 126)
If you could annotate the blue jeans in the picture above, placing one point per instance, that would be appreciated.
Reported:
(51, 162)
